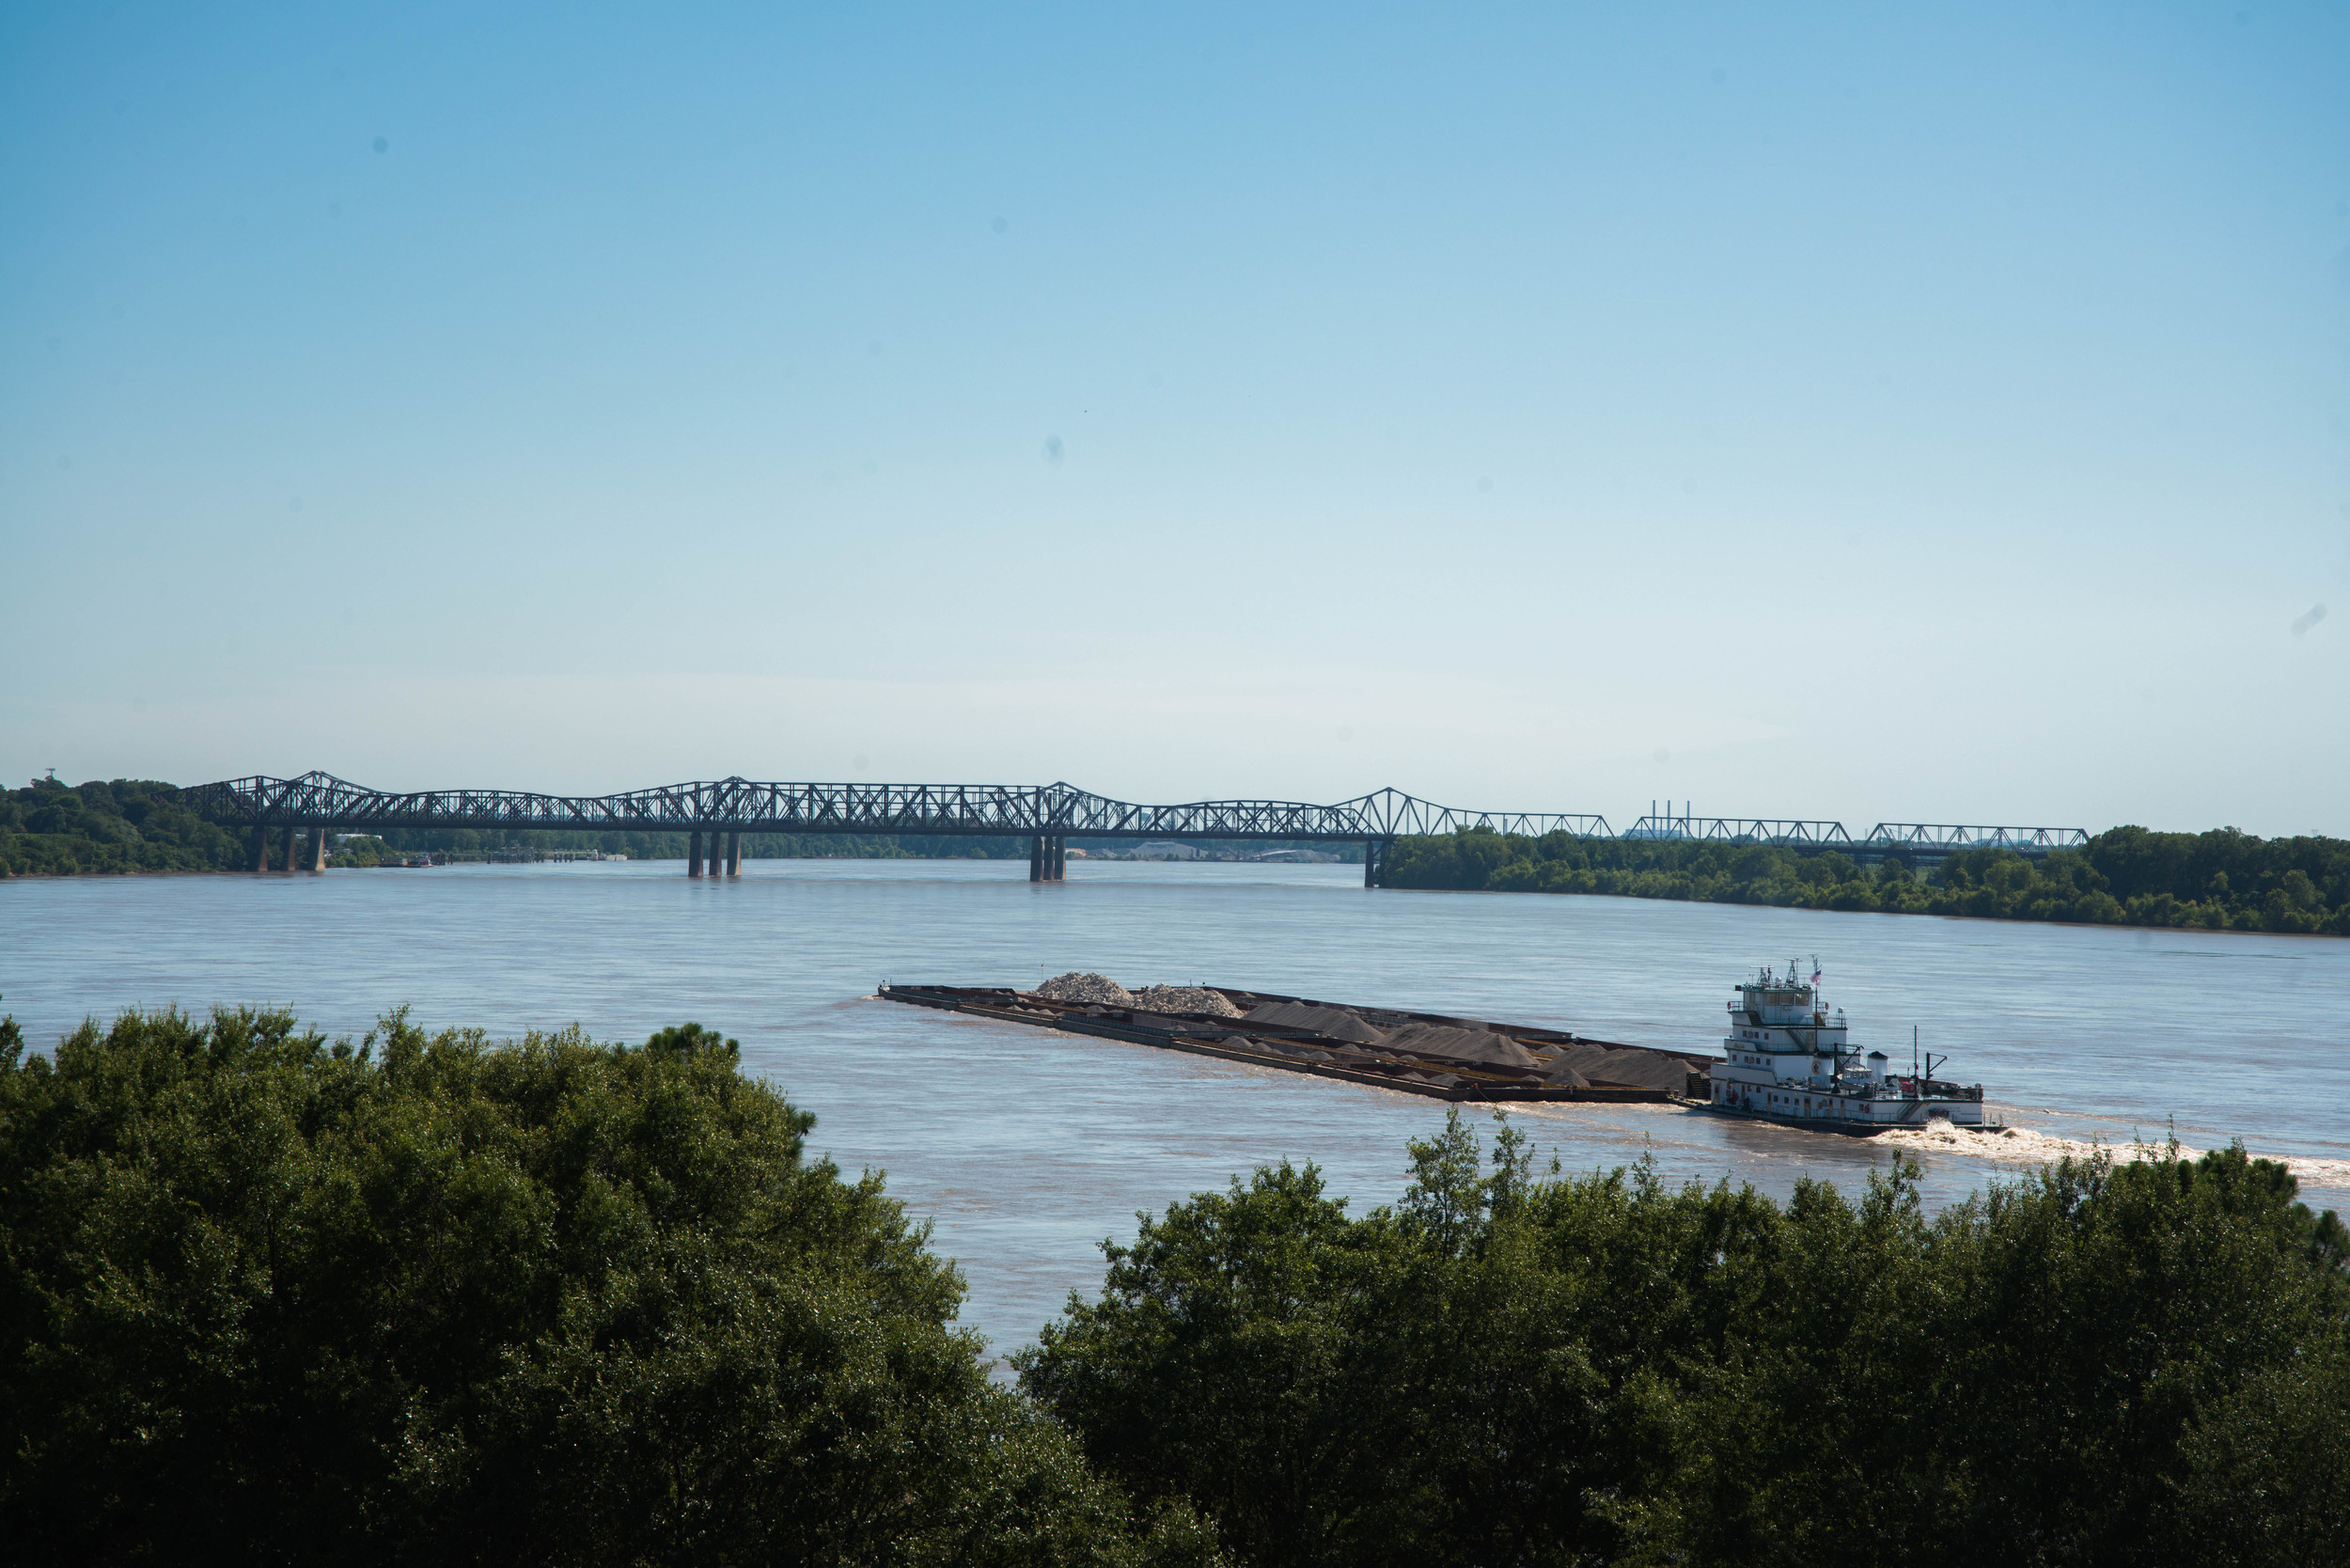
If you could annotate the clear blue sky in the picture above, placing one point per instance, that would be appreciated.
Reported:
(1868, 411)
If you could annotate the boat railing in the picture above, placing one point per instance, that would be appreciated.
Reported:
(1933, 1088)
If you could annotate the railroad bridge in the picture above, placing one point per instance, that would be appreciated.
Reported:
(715, 815)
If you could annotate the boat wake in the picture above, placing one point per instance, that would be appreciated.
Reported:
(2024, 1147)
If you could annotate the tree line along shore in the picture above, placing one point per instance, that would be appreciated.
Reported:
(424, 1296)
(2222, 880)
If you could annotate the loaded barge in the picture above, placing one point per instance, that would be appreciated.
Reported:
(1431, 1053)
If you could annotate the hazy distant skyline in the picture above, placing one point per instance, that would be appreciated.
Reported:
(1832, 412)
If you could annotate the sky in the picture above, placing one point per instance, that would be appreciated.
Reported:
(1866, 412)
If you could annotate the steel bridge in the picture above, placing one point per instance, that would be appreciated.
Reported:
(1048, 816)
(1929, 840)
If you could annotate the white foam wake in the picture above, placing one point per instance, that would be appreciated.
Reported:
(2023, 1146)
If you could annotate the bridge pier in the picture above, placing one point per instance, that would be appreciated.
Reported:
(317, 846)
(694, 853)
(1375, 860)
(1048, 858)
(289, 859)
(260, 848)
(734, 854)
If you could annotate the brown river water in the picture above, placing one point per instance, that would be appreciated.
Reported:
(1028, 1147)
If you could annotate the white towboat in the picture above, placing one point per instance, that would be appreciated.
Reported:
(1786, 1058)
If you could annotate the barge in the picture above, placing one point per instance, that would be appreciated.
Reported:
(1431, 1053)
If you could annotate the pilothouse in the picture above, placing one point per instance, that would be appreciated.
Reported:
(1787, 1059)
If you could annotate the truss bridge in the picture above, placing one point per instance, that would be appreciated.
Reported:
(715, 815)
(722, 811)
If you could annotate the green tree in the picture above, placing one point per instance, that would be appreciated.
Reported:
(428, 1298)
(2221, 880)
(1501, 1370)
(1408, 1387)
(2267, 1472)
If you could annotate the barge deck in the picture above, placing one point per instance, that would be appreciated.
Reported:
(1435, 1055)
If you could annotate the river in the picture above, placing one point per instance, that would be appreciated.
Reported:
(1028, 1147)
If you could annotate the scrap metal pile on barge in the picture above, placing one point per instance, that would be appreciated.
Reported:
(1431, 1053)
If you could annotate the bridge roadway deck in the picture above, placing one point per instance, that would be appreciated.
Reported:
(1056, 811)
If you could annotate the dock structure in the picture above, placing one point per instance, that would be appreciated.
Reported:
(714, 815)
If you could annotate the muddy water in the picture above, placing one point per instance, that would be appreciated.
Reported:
(1026, 1148)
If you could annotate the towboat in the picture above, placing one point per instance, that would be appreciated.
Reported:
(1787, 1059)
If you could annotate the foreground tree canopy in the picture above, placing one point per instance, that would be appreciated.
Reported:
(2218, 881)
(270, 1299)
(2109, 1364)
(273, 1298)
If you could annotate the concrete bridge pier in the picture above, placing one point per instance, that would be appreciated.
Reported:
(1375, 860)
(694, 853)
(1048, 858)
(288, 860)
(734, 854)
(318, 847)
(259, 836)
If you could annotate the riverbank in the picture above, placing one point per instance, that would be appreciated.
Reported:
(2125, 876)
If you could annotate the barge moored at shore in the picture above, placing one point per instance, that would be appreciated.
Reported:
(1431, 1053)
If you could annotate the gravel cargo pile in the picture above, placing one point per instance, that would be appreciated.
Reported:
(1184, 998)
(1087, 987)
(1628, 1068)
(1584, 1059)
(1459, 1045)
(1639, 1070)
(1337, 1023)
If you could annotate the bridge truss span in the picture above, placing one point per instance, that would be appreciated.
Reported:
(1780, 832)
(1942, 838)
(740, 805)
(1048, 815)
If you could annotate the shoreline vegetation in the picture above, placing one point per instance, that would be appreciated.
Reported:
(2222, 880)
(2128, 876)
(428, 1296)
